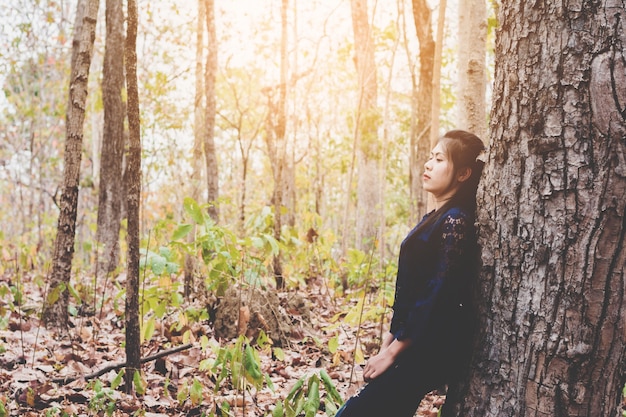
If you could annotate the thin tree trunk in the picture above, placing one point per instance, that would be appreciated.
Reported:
(279, 143)
(198, 134)
(423, 97)
(552, 217)
(55, 306)
(385, 140)
(436, 106)
(133, 351)
(210, 152)
(369, 200)
(109, 202)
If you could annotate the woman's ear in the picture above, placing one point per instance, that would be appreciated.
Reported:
(464, 174)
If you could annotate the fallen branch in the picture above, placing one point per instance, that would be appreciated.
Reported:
(115, 366)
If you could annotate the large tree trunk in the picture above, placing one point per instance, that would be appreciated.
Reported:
(55, 306)
(109, 202)
(552, 338)
(368, 145)
(133, 181)
(210, 152)
(422, 99)
(472, 81)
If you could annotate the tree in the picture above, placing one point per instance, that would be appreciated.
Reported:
(110, 198)
(275, 139)
(55, 309)
(210, 154)
(552, 308)
(472, 113)
(133, 185)
(438, 63)
(366, 130)
(422, 105)
(198, 135)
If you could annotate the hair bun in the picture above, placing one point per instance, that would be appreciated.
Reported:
(482, 156)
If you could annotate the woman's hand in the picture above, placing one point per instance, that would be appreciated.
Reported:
(377, 365)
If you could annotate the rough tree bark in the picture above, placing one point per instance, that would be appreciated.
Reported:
(110, 197)
(367, 121)
(133, 184)
(552, 216)
(55, 306)
(422, 98)
(210, 153)
(472, 80)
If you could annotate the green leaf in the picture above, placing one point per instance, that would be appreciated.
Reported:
(53, 296)
(157, 264)
(272, 242)
(331, 409)
(333, 344)
(117, 381)
(171, 267)
(297, 387)
(278, 410)
(138, 383)
(253, 370)
(3, 410)
(195, 393)
(183, 393)
(330, 387)
(312, 403)
(269, 382)
(148, 329)
(279, 354)
(194, 210)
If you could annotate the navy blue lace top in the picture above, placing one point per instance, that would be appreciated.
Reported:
(436, 268)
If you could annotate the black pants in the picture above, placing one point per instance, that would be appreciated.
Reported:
(396, 393)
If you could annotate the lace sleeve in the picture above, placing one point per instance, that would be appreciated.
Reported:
(445, 282)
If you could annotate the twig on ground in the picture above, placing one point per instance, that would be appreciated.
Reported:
(114, 366)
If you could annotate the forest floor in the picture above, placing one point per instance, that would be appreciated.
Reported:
(50, 373)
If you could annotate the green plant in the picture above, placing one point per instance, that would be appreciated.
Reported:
(191, 392)
(304, 397)
(239, 364)
(226, 257)
(103, 399)
(51, 412)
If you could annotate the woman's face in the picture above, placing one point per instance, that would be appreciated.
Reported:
(439, 177)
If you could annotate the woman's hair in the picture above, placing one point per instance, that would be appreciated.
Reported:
(463, 149)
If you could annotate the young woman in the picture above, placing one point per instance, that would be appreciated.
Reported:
(429, 340)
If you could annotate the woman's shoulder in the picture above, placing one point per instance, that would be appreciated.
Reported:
(457, 214)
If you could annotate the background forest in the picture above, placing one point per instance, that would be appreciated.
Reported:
(193, 254)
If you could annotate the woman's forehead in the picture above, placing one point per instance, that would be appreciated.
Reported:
(439, 149)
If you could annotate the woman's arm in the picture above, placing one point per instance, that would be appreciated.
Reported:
(387, 340)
